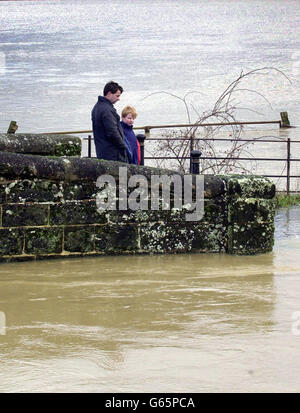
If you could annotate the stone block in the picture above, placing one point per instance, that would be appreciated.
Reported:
(251, 238)
(2, 193)
(209, 236)
(79, 239)
(250, 187)
(163, 237)
(116, 239)
(244, 210)
(139, 216)
(214, 208)
(42, 241)
(173, 215)
(42, 144)
(79, 190)
(33, 191)
(17, 258)
(73, 213)
(18, 215)
(11, 241)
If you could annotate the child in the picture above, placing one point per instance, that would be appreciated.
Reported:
(133, 148)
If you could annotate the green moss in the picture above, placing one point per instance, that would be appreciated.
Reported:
(250, 210)
(43, 240)
(250, 239)
(116, 239)
(164, 237)
(79, 239)
(11, 241)
(68, 149)
(239, 221)
(41, 144)
(209, 236)
(283, 201)
(35, 190)
(2, 194)
(75, 213)
(250, 187)
(214, 208)
(24, 215)
(79, 190)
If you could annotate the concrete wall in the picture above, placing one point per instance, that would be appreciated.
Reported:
(48, 209)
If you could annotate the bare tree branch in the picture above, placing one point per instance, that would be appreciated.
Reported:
(223, 111)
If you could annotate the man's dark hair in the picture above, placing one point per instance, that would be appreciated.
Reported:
(112, 87)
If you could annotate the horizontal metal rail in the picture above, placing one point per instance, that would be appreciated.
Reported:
(147, 128)
(222, 157)
(185, 125)
(279, 140)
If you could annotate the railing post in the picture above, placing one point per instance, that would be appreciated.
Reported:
(285, 123)
(89, 146)
(13, 126)
(141, 138)
(147, 132)
(288, 166)
(195, 161)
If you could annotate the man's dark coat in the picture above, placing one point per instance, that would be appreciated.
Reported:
(108, 134)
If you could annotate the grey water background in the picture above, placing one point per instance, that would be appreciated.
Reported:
(151, 323)
(56, 56)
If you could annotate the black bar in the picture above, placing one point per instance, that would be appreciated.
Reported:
(195, 160)
(195, 125)
(89, 146)
(141, 138)
(224, 140)
(288, 165)
(215, 139)
(228, 159)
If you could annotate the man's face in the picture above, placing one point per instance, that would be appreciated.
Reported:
(113, 97)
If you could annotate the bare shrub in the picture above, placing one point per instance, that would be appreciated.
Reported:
(177, 144)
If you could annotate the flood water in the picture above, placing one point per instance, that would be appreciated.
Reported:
(162, 323)
(56, 56)
(180, 323)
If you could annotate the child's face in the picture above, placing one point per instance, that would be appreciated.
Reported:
(129, 119)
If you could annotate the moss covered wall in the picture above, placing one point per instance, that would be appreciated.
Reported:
(48, 209)
(28, 143)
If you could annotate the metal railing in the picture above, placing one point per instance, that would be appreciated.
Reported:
(288, 159)
(146, 137)
(147, 129)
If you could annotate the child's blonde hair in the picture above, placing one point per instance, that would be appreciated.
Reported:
(127, 110)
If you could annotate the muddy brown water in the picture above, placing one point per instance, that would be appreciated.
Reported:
(161, 323)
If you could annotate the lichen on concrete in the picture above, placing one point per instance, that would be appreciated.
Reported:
(48, 208)
(42, 144)
(250, 186)
(79, 239)
(11, 241)
(116, 239)
(43, 241)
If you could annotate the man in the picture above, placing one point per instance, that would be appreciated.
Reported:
(108, 134)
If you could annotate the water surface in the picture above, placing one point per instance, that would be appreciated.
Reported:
(165, 323)
(56, 56)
